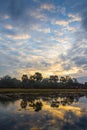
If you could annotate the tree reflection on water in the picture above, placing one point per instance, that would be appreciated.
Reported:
(36, 101)
(65, 111)
(54, 101)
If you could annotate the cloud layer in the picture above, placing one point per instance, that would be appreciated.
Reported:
(46, 36)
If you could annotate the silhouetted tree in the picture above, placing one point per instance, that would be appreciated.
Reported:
(37, 81)
(62, 79)
(53, 78)
(38, 76)
(16, 83)
(6, 81)
(25, 81)
(24, 78)
(32, 78)
(69, 80)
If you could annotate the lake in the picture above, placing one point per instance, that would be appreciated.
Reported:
(62, 111)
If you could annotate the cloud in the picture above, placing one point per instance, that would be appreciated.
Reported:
(76, 56)
(79, 8)
(83, 13)
(59, 33)
(71, 28)
(38, 15)
(45, 30)
(64, 41)
(20, 37)
(74, 18)
(8, 26)
(18, 12)
(40, 28)
(80, 61)
(48, 7)
(42, 35)
(7, 29)
(6, 16)
(61, 9)
(11, 8)
(61, 22)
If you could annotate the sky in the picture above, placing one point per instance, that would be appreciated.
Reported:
(46, 36)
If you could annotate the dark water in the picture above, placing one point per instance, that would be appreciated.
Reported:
(43, 112)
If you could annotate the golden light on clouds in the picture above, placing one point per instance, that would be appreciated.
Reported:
(47, 7)
(62, 110)
(55, 69)
(44, 37)
(21, 37)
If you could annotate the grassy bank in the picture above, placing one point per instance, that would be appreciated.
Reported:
(41, 90)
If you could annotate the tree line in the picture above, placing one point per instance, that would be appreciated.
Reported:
(37, 81)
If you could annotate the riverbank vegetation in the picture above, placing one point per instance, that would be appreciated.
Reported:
(37, 81)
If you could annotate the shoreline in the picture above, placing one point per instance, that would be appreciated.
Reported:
(20, 90)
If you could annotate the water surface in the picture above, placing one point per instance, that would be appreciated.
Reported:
(43, 112)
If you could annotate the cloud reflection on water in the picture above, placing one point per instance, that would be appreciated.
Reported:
(31, 112)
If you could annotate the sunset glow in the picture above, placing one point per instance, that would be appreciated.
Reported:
(46, 36)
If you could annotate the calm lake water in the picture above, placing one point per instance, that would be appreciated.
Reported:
(43, 112)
